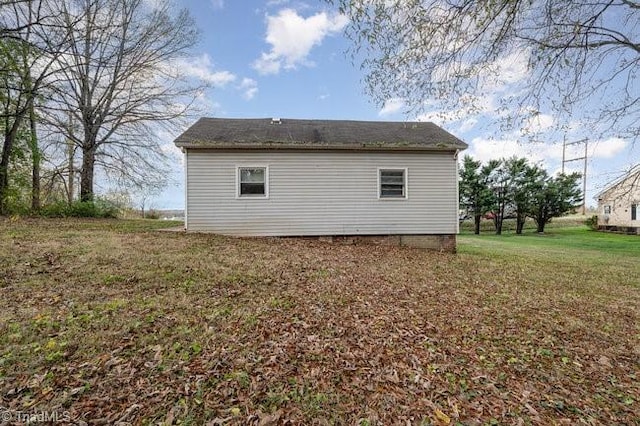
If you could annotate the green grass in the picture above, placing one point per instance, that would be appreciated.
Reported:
(569, 251)
(509, 225)
(572, 240)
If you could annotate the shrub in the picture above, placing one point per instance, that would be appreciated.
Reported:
(99, 208)
(592, 222)
(16, 208)
(57, 209)
(107, 209)
(152, 214)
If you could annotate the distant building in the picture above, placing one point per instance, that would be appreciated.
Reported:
(285, 177)
(619, 202)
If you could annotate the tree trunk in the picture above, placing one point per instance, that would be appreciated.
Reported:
(72, 175)
(476, 219)
(36, 158)
(86, 174)
(7, 147)
(498, 223)
(520, 219)
(500, 217)
(540, 222)
(4, 180)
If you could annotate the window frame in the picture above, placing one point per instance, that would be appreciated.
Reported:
(405, 184)
(634, 212)
(605, 208)
(239, 195)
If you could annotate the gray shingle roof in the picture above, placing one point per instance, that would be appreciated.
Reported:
(261, 133)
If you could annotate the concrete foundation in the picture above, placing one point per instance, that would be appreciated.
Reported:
(445, 243)
(630, 230)
(433, 242)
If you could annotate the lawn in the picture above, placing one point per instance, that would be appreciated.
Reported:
(572, 241)
(114, 321)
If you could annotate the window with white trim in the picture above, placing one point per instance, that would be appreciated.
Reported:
(607, 209)
(392, 183)
(253, 182)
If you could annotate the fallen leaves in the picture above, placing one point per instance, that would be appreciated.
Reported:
(442, 417)
(117, 324)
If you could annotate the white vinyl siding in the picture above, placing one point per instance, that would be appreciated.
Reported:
(322, 193)
(186, 189)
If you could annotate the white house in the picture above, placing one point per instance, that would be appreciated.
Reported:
(282, 177)
(619, 202)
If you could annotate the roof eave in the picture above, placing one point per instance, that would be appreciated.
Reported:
(315, 147)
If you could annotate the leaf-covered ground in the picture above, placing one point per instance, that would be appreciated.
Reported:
(112, 321)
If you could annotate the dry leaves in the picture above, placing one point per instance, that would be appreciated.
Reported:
(120, 325)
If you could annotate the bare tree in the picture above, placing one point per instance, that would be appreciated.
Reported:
(12, 28)
(28, 61)
(120, 86)
(143, 197)
(60, 158)
(579, 56)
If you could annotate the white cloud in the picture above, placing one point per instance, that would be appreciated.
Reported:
(173, 152)
(467, 125)
(292, 37)
(469, 108)
(202, 67)
(267, 64)
(499, 80)
(504, 72)
(220, 78)
(607, 148)
(249, 87)
(207, 106)
(538, 123)
(439, 117)
(153, 4)
(391, 106)
(485, 149)
(577, 127)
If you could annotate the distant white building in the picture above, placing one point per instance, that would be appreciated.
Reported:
(286, 177)
(619, 202)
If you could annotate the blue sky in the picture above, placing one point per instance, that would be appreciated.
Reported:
(287, 58)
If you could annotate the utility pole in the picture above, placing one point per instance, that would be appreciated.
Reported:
(585, 141)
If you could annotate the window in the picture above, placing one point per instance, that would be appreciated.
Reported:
(392, 183)
(634, 212)
(253, 182)
(607, 209)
